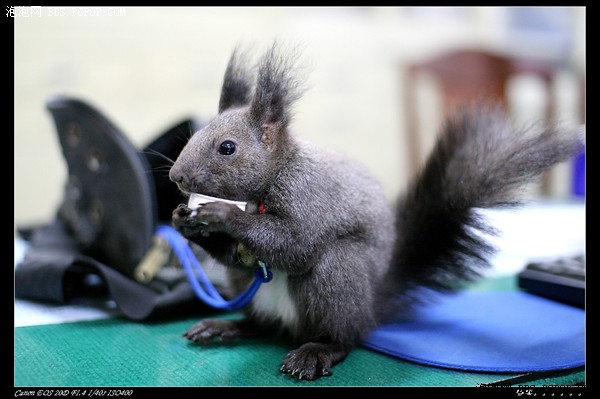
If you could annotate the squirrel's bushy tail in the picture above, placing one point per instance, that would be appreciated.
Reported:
(479, 161)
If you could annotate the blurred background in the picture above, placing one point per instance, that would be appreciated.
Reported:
(375, 92)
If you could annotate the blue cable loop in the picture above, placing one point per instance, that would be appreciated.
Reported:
(200, 281)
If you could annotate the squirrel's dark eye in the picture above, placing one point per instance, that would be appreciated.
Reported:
(227, 147)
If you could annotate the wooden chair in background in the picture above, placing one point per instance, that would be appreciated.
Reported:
(466, 76)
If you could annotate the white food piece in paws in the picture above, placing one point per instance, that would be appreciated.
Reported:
(196, 200)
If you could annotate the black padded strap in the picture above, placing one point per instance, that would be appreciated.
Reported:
(54, 270)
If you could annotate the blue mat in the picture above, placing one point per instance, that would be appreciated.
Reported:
(508, 332)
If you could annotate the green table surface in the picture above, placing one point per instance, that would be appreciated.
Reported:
(117, 352)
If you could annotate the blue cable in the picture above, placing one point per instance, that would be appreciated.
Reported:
(200, 282)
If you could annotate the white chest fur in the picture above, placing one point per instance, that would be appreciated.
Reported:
(273, 301)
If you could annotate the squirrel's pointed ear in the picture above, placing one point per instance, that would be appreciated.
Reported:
(237, 83)
(276, 90)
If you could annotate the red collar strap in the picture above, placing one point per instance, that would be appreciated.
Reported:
(261, 208)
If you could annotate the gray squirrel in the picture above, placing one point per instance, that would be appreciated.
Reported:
(344, 259)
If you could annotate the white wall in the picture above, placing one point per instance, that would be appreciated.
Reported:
(148, 67)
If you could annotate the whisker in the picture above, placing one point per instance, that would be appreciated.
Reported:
(187, 135)
(160, 170)
(152, 151)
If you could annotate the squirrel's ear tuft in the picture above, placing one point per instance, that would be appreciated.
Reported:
(237, 83)
(276, 90)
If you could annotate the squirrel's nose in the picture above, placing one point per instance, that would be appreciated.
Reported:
(176, 175)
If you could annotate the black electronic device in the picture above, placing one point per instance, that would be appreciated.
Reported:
(561, 279)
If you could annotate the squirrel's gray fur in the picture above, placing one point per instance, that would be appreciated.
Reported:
(343, 258)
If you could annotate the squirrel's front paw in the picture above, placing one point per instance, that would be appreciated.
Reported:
(186, 223)
(182, 216)
(181, 211)
(216, 214)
